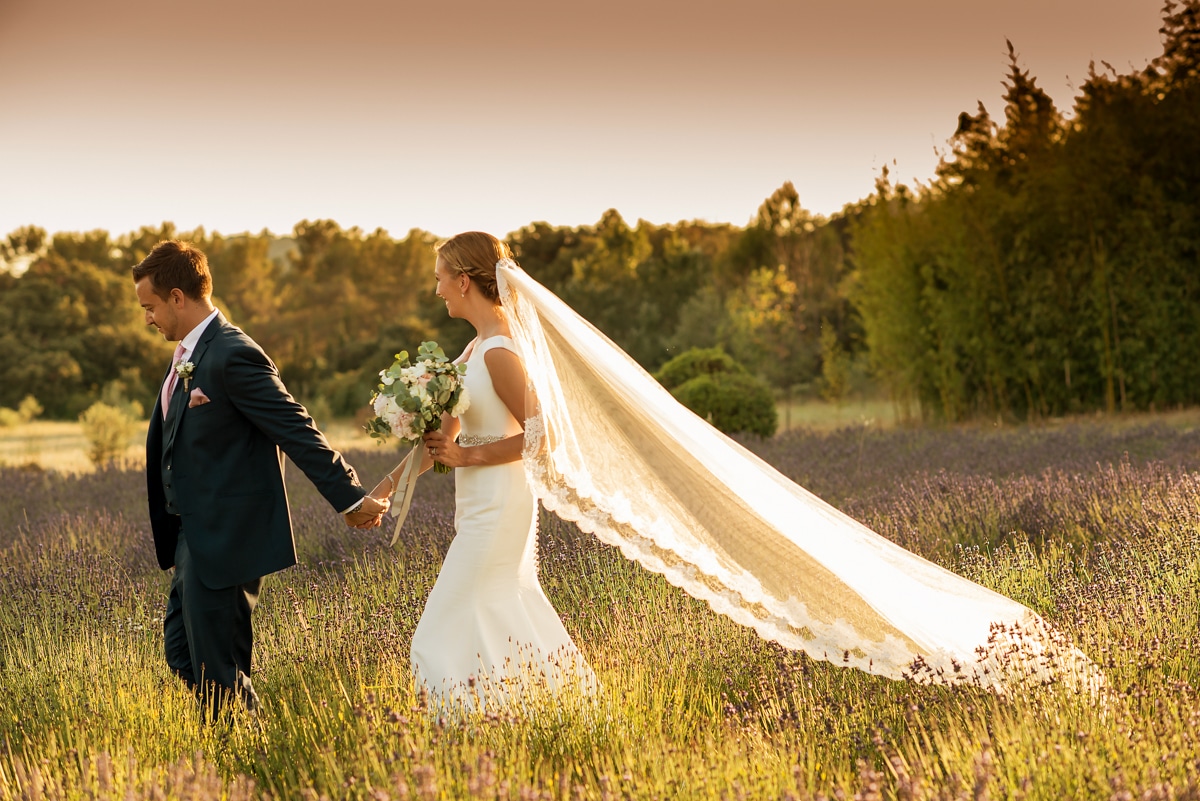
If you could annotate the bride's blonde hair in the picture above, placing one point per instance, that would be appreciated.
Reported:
(474, 254)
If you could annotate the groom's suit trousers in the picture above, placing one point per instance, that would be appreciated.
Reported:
(207, 633)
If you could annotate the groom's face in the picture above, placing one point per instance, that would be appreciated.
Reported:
(162, 313)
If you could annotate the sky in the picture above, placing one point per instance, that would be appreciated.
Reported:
(244, 115)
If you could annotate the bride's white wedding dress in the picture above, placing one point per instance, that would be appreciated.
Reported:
(488, 631)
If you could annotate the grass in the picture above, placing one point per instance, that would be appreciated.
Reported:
(819, 415)
(61, 446)
(1091, 523)
(52, 445)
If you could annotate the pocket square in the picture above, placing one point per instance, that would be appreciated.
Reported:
(197, 398)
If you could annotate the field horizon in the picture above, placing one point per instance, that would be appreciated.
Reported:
(60, 445)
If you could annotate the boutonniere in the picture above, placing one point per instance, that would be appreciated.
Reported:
(184, 370)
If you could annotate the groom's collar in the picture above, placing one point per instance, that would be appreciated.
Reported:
(190, 341)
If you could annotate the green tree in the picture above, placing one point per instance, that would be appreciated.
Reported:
(835, 366)
(245, 277)
(1050, 267)
(784, 274)
(630, 282)
(66, 329)
(26, 242)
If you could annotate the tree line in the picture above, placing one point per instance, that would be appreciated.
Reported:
(1051, 266)
(332, 305)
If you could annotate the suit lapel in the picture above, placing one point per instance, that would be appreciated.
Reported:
(179, 404)
(174, 415)
(206, 338)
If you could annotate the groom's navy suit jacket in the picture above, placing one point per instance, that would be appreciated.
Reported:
(215, 470)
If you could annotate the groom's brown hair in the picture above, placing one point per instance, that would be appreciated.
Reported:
(173, 264)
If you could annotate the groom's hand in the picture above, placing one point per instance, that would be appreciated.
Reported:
(369, 514)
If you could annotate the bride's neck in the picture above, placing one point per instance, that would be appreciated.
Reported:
(490, 322)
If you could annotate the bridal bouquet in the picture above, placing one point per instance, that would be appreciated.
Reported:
(411, 398)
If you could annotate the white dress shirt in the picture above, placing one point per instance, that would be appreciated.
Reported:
(190, 341)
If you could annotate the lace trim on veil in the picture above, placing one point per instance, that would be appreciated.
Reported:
(564, 460)
(1006, 645)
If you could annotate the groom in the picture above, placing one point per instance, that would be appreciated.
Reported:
(215, 474)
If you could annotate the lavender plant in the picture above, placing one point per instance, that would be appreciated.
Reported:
(1091, 523)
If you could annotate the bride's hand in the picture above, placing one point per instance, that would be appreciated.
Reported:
(444, 449)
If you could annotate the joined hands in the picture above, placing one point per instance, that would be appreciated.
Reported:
(369, 514)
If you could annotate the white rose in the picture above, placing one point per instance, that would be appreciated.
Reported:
(464, 403)
(380, 405)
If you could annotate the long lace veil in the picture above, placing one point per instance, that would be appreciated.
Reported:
(611, 450)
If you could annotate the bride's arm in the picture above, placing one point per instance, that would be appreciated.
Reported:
(508, 379)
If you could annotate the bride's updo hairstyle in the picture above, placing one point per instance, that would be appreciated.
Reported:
(474, 254)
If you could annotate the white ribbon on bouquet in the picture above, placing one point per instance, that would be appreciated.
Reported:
(412, 469)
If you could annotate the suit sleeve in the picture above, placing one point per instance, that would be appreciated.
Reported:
(256, 390)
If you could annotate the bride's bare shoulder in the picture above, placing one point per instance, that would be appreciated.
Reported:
(503, 363)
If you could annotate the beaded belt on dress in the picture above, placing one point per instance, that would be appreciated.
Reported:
(469, 440)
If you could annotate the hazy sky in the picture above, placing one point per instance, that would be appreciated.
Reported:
(242, 114)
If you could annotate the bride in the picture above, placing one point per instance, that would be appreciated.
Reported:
(488, 630)
(561, 413)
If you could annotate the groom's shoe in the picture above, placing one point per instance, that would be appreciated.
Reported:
(246, 692)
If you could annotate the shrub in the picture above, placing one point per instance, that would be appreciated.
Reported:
(116, 393)
(29, 409)
(731, 401)
(9, 417)
(109, 431)
(696, 362)
(712, 384)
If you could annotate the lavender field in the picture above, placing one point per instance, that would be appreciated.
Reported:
(1093, 524)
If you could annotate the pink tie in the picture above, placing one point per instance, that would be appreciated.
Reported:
(169, 384)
